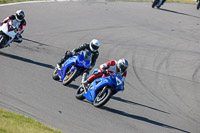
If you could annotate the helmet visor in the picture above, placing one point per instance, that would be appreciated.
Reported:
(87, 55)
(122, 67)
(20, 17)
(95, 47)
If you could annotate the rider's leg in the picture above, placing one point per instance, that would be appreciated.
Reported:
(96, 75)
(84, 77)
(18, 38)
(64, 58)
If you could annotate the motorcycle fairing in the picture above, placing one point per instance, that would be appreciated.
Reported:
(69, 62)
(8, 29)
(114, 81)
(95, 86)
(81, 62)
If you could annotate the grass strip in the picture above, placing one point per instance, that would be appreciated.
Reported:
(16, 123)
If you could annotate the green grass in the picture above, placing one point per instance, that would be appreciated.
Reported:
(16, 123)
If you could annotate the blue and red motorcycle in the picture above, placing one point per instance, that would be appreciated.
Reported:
(101, 90)
(73, 67)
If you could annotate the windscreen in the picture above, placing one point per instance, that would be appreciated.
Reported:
(87, 55)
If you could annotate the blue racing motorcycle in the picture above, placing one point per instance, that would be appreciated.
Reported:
(100, 90)
(73, 67)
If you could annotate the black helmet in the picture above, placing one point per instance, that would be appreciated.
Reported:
(20, 15)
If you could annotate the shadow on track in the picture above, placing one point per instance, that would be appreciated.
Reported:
(130, 102)
(73, 86)
(41, 44)
(141, 118)
(26, 60)
(167, 10)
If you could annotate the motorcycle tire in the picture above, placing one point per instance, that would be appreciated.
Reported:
(155, 2)
(55, 74)
(70, 77)
(3, 40)
(161, 4)
(198, 4)
(79, 93)
(102, 98)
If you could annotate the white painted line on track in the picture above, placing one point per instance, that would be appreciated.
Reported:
(29, 2)
(25, 2)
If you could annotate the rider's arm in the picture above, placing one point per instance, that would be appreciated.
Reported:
(104, 66)
(107, 65)
(22, 27)
(11, 17)
(82, 47)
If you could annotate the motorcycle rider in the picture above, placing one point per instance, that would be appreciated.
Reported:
(112, 66)
(91, 47)
(18, 19)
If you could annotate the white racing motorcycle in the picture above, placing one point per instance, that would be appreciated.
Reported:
(8, 31)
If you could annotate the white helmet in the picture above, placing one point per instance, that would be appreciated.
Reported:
(94, 45)
(122, 64)
(20, 15)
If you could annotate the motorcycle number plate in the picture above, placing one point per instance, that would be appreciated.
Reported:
(118, 81)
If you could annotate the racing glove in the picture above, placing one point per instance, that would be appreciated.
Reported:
(104, 72)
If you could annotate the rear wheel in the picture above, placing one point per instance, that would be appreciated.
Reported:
(55, 74)
(70, 77)
(79, 93)
(102, 97)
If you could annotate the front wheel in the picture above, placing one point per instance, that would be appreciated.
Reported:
(102, 97)
(55, 74)
(3, 40)
(70, 77)
(198, 4)
(155, 2)
(79, 93)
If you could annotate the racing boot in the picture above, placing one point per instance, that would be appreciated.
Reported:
(59, 65)
(85, 85)
(18, 38)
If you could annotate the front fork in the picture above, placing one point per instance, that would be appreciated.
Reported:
(8, 39)
(8, 43)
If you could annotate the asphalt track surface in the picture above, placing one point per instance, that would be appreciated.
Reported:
(162, 92)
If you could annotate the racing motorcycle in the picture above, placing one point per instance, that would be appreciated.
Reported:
(101, 90)
(8, 31)
(157, 3)
(73, 67)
